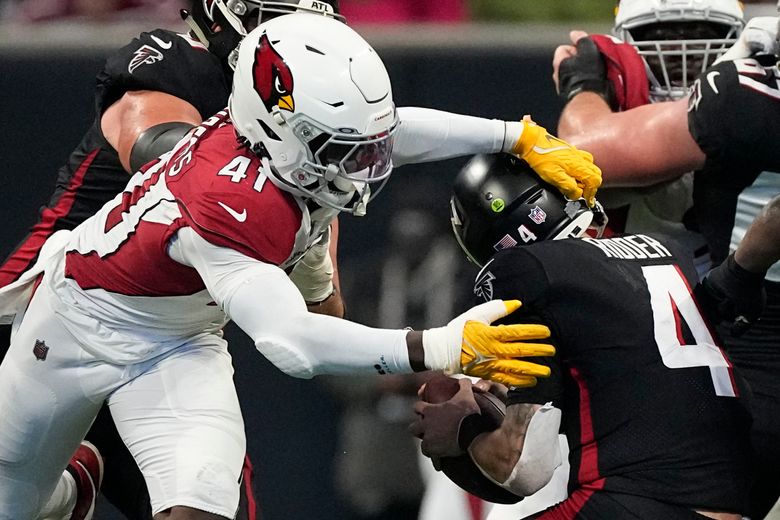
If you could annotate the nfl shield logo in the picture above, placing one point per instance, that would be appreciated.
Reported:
(40, 350)
(538, 215)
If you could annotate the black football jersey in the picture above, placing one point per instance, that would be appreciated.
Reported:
(734, 116)
(650, 402)
(160, 61)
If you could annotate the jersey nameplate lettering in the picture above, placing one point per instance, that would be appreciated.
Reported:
(631, 247)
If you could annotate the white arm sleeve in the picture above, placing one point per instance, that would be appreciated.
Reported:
(540, 456)
(263, 301)
(426, 135)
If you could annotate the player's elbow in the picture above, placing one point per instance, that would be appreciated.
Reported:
(286, 357)
(526, 481)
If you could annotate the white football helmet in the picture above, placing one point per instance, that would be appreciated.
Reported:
(678, 39)
(313, 97)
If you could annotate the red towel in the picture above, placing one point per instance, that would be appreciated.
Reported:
(625, 70)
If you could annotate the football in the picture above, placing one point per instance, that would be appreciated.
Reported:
(461, 469)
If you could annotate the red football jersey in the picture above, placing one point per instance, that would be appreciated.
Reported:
(211, 183)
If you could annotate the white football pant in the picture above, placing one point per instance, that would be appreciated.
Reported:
(178, 414)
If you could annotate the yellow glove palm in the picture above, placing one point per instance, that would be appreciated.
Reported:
(558, 163)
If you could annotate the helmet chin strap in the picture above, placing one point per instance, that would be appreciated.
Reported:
(232, 18)
(341, 183)
(331, 173)
(194, 27)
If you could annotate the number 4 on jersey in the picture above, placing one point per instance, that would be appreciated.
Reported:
(673, 305)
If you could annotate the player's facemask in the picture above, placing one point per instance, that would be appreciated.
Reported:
(342, 171)
(676, 53)
(678, 39)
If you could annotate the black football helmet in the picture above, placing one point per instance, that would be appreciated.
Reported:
(220, 25)
(499, 202)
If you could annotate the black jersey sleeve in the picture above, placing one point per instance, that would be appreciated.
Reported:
(515, 274)
(512, 274)
(164, 61)
(734, 115)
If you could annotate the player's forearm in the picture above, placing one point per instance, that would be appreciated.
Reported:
(333, 305)
(583, 113)
(431, 135)
(760, 248)
(522, 454)
(497, 452)
(638, 147)
(265, 304)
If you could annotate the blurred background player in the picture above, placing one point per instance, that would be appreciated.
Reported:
(629, 397)
(653, 143)
(736, 287)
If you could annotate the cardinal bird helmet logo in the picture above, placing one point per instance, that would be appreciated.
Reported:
(273, 80)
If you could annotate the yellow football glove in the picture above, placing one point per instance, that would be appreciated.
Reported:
(558, 163)
(469, 344)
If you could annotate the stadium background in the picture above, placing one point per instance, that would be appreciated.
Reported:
(492, 70)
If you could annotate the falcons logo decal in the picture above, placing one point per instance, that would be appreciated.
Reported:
(272, 77)
(146, 55)
(483, 287)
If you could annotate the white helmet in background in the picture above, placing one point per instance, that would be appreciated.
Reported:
(678, 39)
(313, 97)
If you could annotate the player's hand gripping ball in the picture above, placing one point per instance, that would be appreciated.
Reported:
(450, 415)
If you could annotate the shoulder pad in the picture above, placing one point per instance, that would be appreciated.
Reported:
(226, 198)
(166, 62)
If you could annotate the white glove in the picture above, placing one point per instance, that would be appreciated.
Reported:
(758, 37)
(469, 344)
(313, 274)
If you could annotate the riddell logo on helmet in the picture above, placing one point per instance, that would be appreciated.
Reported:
(273, 80)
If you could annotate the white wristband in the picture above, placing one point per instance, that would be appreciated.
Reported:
(438, 350)
(513, 132)
(313, 274)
